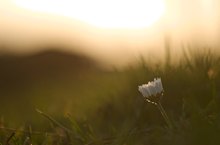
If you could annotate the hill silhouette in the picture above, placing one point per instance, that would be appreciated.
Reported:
(19, 70)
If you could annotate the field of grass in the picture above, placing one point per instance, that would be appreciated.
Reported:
(104, 107)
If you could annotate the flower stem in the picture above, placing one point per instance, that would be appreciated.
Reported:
(164, 114)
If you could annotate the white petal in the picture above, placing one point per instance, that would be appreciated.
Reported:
(157, 88)
(159, 84)
(147, 94)
(152, 89)
(143, 90)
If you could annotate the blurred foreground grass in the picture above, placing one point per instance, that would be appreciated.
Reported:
(104, 107)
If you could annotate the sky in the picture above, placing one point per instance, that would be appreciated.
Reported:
(108, 29)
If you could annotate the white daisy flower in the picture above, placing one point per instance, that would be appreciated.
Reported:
(152, 91)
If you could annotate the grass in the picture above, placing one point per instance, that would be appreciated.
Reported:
(106, 107)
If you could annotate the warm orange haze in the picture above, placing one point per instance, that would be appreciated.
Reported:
(105, 14)
(108, 29)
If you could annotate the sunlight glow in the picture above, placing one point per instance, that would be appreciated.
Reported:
(102, 13)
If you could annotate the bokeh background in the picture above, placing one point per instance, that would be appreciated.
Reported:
(84, 77)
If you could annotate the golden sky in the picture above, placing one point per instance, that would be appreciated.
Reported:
(108, 28)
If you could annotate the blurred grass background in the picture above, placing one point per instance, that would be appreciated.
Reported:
(83, 103)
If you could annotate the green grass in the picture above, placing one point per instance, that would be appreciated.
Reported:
(106, 107)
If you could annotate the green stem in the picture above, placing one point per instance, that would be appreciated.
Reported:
(164, 114)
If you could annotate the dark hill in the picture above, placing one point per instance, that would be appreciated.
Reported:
(19, 70)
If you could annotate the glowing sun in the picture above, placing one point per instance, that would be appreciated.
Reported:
(102, 13)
